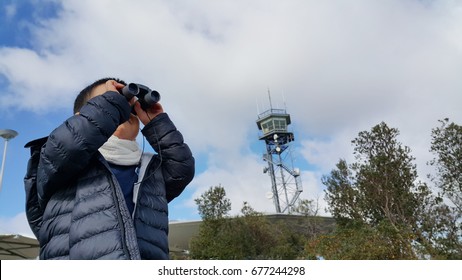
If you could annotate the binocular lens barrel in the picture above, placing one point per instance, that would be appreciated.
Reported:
(130, 90)
(145, 95)
(152, 97)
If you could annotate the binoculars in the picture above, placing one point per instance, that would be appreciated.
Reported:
(145, 95)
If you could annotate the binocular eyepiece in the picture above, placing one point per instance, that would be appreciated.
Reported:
(145, 95)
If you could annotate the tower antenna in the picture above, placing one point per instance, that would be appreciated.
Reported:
(258, 107)
(269, 97)
(284, 100)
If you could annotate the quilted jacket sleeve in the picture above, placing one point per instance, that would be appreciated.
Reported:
(178, 165)
(70, 147)
(33, 211)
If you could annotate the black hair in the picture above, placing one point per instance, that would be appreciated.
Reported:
(83, 97)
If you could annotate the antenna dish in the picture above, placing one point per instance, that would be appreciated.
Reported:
(297, 171)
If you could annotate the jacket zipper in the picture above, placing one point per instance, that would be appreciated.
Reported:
(119, 217)
(141, 174)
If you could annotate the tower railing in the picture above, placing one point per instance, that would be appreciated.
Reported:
(272, 111)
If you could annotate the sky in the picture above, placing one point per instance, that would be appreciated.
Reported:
(337, 67)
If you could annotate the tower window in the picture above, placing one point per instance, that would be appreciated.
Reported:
(274, 124)
(267, 126)
(280, 124)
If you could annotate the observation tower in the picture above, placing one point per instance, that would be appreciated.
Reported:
(286, 183)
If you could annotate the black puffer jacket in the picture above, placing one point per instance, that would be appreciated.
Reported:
(75, 206)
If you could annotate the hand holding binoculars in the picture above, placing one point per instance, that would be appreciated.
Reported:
(145, 95)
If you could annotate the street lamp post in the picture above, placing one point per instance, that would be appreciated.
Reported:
(6, 134)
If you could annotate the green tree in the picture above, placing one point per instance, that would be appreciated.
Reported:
(446, 145)
(379, 191)
(355, 241)
(311, 225)
(446, 217)
(249, 236)
(213, 207)
(213, 204)
(306, 207)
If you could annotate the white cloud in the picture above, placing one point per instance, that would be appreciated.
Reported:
(16, 225)
(342, 66)
(10, 11)
(325, 153)
(242, 177)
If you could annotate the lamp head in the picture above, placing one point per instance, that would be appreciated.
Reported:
(8, 134)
